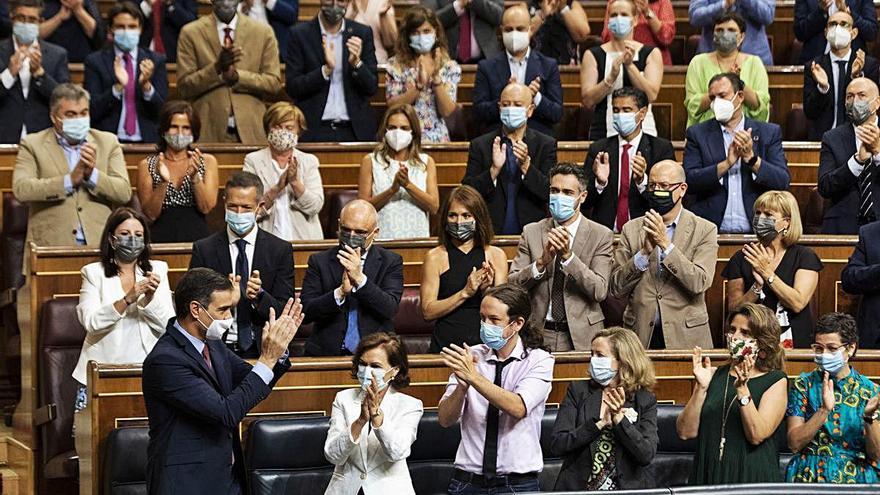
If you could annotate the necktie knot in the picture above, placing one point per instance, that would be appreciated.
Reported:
(626, 147)
(241, 244)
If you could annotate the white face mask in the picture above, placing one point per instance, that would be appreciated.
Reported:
(839, 37)
(217, 327)
(398, 139)
(515, 41)
(723, 109)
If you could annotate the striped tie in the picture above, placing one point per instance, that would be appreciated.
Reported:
(866, 201)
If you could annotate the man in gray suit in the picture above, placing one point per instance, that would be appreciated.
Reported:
(470, 27)
(29, 70)
(565, 263)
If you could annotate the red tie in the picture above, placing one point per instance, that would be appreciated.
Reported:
(158, 45)
(464, 36)
(623, 192)
(207, 355)
(130, 124)
(227, 38)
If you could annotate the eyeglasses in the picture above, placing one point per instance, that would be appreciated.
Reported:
(662, 186)
(831, 349)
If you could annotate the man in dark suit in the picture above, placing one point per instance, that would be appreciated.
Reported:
(352, 290)
(826, 77)
(861, 276)
(811, 16)
(611, 201)
(470, 27)
(164, 20)
(197, 392)
(331, 73)
(29, 71)
(848, 163)
(128, 84)
(731, 160)
(263, 266)
(509, 166)
(521, 64)
(74, 24)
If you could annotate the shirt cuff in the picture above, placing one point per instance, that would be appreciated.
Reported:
(668, 250)
(535, 273)
(149, 95)
(565, 263)
(854, 166)
(116, 94)
(270, 5)
(458, 8)
(93, 179)
(147, 9)
(537, 99)
(599, 187)
(642, 186)
(641, 261)
(263, 372)
(7, 78)
(360, 285)
(68, 185)
(337, 295)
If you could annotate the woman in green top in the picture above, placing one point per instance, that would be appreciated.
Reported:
(735, 412)
(729, 34)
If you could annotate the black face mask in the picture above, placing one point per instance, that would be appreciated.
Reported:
(661, 201)
(352, 240)
(225, 10)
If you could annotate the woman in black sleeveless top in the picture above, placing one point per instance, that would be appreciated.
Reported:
(618, 63)
(456, 272)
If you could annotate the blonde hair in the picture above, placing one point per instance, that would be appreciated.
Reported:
(281, 112)
(784, 203)
(635, 370)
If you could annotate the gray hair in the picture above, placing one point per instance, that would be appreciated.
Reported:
(67, 91)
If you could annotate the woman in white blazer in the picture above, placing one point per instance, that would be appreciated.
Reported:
(125, 301)
(372, 427)
(294, 191)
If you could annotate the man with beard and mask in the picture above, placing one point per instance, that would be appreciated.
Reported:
(811, 18)
(848, 163)
(70, 175)
(664, 264)
(732, 159)
(565, 263)
(756, 13)
(128, 84)
(227, 64)
(617, 167)
(331, 73)
(509, 166)
(519, 63)
(352, 290)
(826, 76)
(197, 391)
(260, 263)
(30, 69)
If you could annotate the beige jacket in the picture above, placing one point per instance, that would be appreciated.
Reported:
(678, 292)
(259, 76)
(586, 277)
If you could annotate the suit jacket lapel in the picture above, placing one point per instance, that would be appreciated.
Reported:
(716, 147)
(57, 154)
(191, 351)
(613, 170)
(683, 229)
(580, 237)
(371, 264)
(531, 68)
(219, 363)
(546, 225)
(209, 32)
(223, 255)
(504, 70)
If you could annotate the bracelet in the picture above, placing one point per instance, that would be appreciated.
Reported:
(125, 300)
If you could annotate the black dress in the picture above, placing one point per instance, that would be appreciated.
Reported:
(796, 258)
(598, 129)
(180, 220)
(462, 325)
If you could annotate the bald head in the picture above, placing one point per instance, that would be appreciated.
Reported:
(668, 172)
(359, 215)
(841, 17)
(862, 86)
(516, 13)
(516, 92)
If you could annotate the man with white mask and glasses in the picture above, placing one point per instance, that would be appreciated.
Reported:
(732, 160)
(812, 16)
(519, 63)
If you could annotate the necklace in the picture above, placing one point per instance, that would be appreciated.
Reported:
(718, 61)
(724, 418)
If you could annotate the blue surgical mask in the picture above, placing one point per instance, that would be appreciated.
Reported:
(600, 370)
(365, 379)
(493, 335)
(620, 26)
(25, 32)
(513, 117)
(625, 123)
(562, 207)
(76, 129)
(127, 39)
(241, 223)
(423, 43)
(831, 362)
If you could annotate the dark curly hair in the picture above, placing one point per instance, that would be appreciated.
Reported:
(395, 350)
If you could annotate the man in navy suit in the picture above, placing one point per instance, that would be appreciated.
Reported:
(128, 84)
(731, 160)
(811, 17)
(521, 64)
(331, 74)
(848, 163)
(29, 71)
(263, 265)
(280, 14)
(197, 391)
(861, 276)
(165, 19)
(352, 290)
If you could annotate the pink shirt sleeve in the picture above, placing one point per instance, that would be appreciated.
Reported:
(535, 386)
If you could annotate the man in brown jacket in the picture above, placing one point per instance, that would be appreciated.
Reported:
(664, 263)
(565, 263)
(227, 64)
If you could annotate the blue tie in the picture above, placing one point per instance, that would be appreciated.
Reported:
(511, 219)
(242, 313)
(352, 335)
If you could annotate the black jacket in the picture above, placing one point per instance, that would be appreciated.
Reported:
(174, 16)
(810, 21)
(818, 107)
(861, 276)
(71, 35)
(839, 185)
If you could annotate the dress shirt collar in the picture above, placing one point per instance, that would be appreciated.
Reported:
(121, 53)
(517, 354)
(16, 45)
(197, 343)
(635, 141)
(511, 60)
(62, 141)
(324, 30)
(835, 58)
(233, 24)
(250, 238)
(573, 227)
(740, 126)
(677, 219)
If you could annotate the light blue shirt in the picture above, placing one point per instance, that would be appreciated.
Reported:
(120, 130)
(735, 220)
(335, 108)
(259, 368)
(71, 154)
(518, 70)
(641, 260)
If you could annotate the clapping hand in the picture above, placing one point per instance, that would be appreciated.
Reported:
(402, 176)
(703, 369)
(759, 257)
(329, 54)
(35, 55)
(164, 173)
(254, 285)
(146, 69)
(828, 399)
(461, 361)
(351, 263)
(743, 370)
(614, 398)
(743, 142)
(535, 86)
(559, 238)
(488, 275)
(819, 75)
(601, 168)
(153, 280)
(547, 256)
(119, 71)
(521, 152)
(499, 157)
(639, 165)
(858, 63)
(655, 228)
(277, 333)
(869, 135)
(354, 45)
(474, 282)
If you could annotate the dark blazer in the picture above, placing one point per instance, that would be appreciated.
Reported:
(377, 300)
(308, 88)
(838, 185)
(705, 149)
(575, 438)
(273, 257)
(487, 18)
(861, 276)
(602, 208)
(819, 107)
(70, 33)
(5, 21)
(194, 415)
(534, 191)
(174, 17)
(809, 26)
(493, 75)
(106, 109)
(282, 18)
(34, 111)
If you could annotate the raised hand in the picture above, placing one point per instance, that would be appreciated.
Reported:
(153, 280)
(535, 86)
(15, 61)
(655, 227)
(743, 370)
(488, 275)
(828, 399)
(474, 282)
(329, 54)
(601, 168)
(461, 361)
(277, 333)
(354, 44)
(146, 68)
(819, 75)
(36, 57)
(703, 369)
(615, 398)
(499, 157)
(521, 152)
(119, 71)
(629, 52)
(351, 262)
(615, 69)
(559, 238)
(639, 165)
(254, 285)
(402, 175)
(858, 63)
(760, 259)
(546, 257)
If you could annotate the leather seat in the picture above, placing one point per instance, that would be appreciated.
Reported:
(410, 324)
(286, 456)
(125, 461)
(334, 200)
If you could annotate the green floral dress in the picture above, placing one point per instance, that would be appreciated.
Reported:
(837, 453)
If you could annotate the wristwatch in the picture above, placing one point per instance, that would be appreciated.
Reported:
(751, 163)
(771, 279)
(744, 401)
